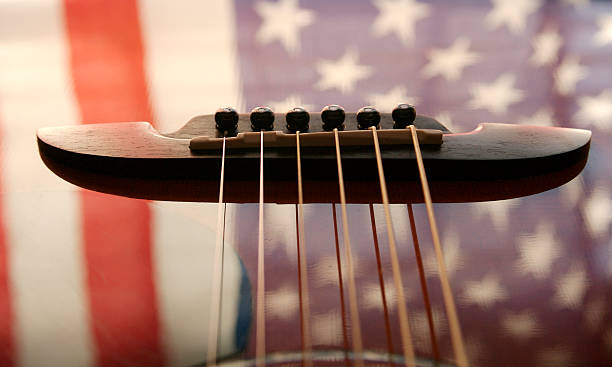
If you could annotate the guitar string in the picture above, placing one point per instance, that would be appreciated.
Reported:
(417, 251)
(300, 292)
(215, 304)
(451, 311)
(408, 349)
(340, 286)
(352, 289)
(222, 264)
(302, 264)
(299, 272)
(260, 336)
(381, 282)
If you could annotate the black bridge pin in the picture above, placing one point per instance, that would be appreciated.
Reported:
(403, 115)
(262, 118)
(333, 117)
(226, 119)
(297, 119)
(367, 116)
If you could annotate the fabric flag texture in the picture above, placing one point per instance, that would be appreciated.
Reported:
(92, 279)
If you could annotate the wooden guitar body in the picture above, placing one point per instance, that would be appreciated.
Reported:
(493, 162)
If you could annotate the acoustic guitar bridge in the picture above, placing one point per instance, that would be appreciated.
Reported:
(279, 139)
(492, 162)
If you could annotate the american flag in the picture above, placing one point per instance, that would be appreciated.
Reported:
(93, 279)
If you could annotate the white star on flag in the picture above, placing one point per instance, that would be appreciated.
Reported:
(594, 312)
(372, 296)
(445, 118)
(573, 192)
(420, 324)
(604, 35)
(523, 325)
(277, 218)
(325, 271)
(511, 13)
(343, 73)
(452, 255)
(399, 17)
(327, 328)
(498, 211)
(282, 302)
(542, 117)
(288, 103)
(282, 21)
(546, 46)
(597, 211)
(450, 62)
(386, 102)
(538, 251)
(571, 287)
(610, 259)
(596, 111)
(577, 3)
(496, 96)
(568, 74)
(484, 292)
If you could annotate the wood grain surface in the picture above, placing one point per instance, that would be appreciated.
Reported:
(495, 161)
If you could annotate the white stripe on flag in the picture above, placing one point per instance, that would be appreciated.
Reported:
(184, 252)
(190, 58)
(191, 66)
(41, 211)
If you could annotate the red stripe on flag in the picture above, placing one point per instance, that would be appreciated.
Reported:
(7, 350)
(110, 85)
(107, 60)
(121, 287)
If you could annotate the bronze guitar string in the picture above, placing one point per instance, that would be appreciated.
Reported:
(352, 289)
(215, 304)
(302, 265)
(451, 311)
(419, 260)
(381, 282)
(407, 347)
(46, 141)
(340, 286)
(303, 285)
(260, 336)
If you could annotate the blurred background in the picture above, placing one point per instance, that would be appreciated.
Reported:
(92, 279)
